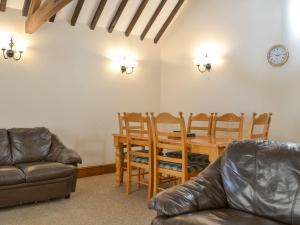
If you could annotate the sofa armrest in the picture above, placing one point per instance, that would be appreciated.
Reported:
(60, 153)
(200, 193)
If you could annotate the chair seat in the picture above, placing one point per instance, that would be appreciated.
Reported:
(10, 175)
(192, 166)
(215, 217)
(40, 171)
(141, 160)
(193, 157)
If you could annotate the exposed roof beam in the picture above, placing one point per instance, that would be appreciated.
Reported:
(117, 16)
(98, 13)
(168, 21)
(34, 5)
(3, 5)
(153, 18)
(136, 17)
(77, 12)
(48, 9)
(26, 6)
(52, 18)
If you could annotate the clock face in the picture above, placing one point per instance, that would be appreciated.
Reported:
(278, 55)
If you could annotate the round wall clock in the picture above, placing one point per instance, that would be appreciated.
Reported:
(278, 55)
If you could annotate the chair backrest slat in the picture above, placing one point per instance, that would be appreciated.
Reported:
(201, 117)
(228, 118)
(138, 128)
(260, 120)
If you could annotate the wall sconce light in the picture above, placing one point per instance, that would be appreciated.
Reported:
(127, 66)
(11, 53)
(203, 64)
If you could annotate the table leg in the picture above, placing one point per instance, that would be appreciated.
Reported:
(118, 155)
(215, 153)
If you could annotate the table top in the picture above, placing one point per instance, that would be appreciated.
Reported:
(210, 141)
(206, 141)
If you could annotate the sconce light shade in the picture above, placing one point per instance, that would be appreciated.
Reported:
(203, 64)
(11, 53)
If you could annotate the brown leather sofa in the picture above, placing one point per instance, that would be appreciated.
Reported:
(35, 166)
(253, 183)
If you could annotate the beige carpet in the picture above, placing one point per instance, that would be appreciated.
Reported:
(96, 202)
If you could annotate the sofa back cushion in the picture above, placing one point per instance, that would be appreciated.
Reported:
(29, 144)
(263, 178)
(5, 153)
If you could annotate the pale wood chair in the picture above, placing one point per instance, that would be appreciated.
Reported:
(122, 131)
(230, 124)
(262, 121)
(138, 133)
(165, 141)
(206, 129)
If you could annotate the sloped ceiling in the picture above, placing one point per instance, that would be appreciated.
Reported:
(90, 6)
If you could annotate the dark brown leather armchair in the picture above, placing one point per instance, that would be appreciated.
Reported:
(35, 166)
(253, 183)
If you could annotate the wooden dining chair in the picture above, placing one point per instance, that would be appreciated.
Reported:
(166, 140)
(199, 126)
(138, 134)
(230, 124)
(260, 126)
(200, 130)
(122, 131)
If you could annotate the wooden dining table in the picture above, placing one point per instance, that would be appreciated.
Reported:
(208, 145)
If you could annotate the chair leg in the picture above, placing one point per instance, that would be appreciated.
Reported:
(150, 192)
(156, 182)
(139, 178)
(122, 174)
(129, 176)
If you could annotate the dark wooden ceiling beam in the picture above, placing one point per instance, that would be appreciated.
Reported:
(77, 12)
(26, 7)
(153, 18)
(98, 13)
(3, 5)
(136, 17)
(52, 18)
(168, 21)
(117, 15)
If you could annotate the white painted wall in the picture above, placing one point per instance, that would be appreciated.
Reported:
(244, 81)
(66, 82)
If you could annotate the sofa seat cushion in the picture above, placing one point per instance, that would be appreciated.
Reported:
(215, 217)
(10, 175)
(29, 144)
(41, 171)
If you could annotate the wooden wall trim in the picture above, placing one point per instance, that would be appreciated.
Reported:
(90, 171)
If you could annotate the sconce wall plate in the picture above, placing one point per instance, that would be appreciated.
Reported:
(10, 53)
